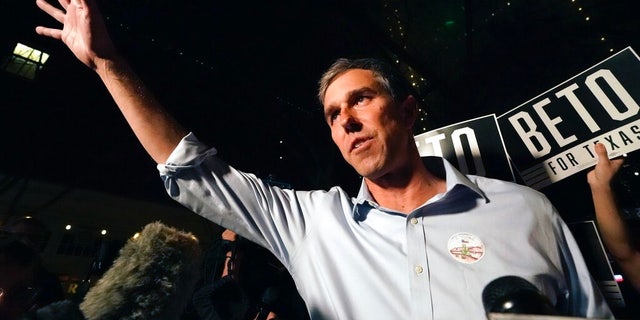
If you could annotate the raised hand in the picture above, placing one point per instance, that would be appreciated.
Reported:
(83, 30)
(605, 169)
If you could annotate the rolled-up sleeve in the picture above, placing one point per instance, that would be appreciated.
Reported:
(189, 153)
(195, 177)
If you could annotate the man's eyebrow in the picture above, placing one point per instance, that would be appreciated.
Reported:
(355, 92)
(349, 96)
(326, 111)
(360, 91)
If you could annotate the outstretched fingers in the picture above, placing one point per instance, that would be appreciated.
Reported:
(64, 3)
(51, 10)
(49, 32)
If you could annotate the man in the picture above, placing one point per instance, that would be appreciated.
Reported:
(612, 227)
(245, 281)
(35, 234)
(18, 290)
(420, 241)
(29, 230)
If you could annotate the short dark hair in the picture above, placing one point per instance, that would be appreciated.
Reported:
(390, 77)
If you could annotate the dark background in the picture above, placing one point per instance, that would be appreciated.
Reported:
(242, 76)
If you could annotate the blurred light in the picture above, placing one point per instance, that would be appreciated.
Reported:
(618, 277)
(103, 232)
(68, 227)
(30, 53)
(25, 61)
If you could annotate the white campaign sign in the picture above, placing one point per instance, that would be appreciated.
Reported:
(551, 136)
(473, 146)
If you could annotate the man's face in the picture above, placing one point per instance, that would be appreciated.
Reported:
(370, 129)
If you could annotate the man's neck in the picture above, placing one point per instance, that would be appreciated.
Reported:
(406, 190)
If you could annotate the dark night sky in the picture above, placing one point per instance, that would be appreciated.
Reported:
(243, 78)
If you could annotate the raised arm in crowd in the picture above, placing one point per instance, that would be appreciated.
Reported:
(85, 33)
(613, 229)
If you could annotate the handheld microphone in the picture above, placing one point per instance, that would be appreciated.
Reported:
(512, 294)
(152, 278)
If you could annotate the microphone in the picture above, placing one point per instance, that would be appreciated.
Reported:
(515, 295)
(152, 278)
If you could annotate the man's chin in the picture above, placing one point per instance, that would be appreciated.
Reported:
(370, 174)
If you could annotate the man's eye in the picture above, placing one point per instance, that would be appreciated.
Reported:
(362, 99)
(333, 116)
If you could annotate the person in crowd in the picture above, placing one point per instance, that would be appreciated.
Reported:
(419, 241)
(19, 289)
(244, 281)
(612, 227)
(29, 230)
(34, 236)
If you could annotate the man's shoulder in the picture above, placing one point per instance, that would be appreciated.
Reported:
(318, 194)
(489, 184)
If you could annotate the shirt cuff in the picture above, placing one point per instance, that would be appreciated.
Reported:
(188, 153)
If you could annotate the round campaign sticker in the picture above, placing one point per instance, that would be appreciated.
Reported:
(465, 247)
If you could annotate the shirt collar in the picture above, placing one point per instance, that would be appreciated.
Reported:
(440, 167)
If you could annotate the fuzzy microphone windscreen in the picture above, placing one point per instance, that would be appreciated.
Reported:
(152, 278)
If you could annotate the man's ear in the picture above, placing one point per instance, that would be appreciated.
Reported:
(409, 110)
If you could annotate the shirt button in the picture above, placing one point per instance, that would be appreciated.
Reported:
(418, 269)
(414, 221)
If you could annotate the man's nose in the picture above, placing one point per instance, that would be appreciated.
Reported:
(349, 121)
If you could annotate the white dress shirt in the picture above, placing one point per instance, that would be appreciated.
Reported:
(352, 259)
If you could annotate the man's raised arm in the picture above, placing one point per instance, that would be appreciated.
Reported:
(84, 32)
